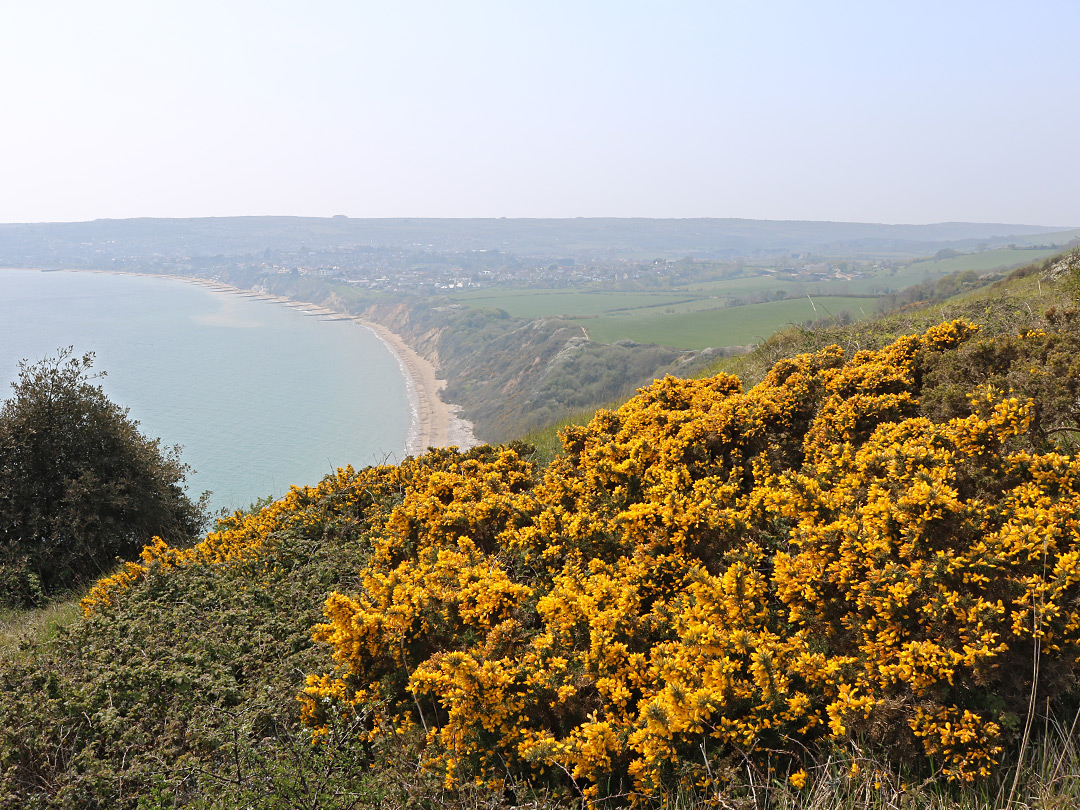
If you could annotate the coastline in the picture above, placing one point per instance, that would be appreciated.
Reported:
(434, 423)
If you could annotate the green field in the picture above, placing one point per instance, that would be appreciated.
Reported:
(985, 262)
(549, 303)
(743, 285)
(699, 315)
(683, 319)
(529, 303)
(727, 326)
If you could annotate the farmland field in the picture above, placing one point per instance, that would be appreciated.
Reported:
(747, 285)
(529, 303)
(715, 312)
(548, 303)
(1002, 259)
(727, 326)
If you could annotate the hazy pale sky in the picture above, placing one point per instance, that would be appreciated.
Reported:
(886, 111)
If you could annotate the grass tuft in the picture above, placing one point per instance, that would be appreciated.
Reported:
(20, 629)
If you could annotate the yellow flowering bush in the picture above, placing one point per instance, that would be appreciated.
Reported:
(243, 535)
(709, 574)
(708, 571)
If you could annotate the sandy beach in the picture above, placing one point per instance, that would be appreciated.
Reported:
(435, 423)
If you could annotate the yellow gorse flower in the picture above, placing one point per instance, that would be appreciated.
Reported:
(705, 570)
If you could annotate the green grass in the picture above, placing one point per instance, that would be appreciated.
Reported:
(748, 285)
(37, 625)
(548, 303)
(695, 318)
(729, 326)
(709, 295)
(985, 262)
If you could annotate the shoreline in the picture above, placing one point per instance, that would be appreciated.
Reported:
(434, 423)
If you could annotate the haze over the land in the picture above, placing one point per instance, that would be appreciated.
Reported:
(902, 113)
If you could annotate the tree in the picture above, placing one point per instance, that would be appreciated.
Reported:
(80, 485)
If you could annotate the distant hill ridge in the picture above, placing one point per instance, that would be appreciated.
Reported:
(103, 242)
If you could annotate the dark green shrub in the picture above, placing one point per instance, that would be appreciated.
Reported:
(79, 484)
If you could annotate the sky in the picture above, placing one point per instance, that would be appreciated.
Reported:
(886, 111)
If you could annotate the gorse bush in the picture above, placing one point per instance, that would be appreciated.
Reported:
(177, 688)
(708, 573)
(876, 552)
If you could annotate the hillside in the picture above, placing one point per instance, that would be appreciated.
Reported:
(862, 550)
(1003, 307)
(109, 244)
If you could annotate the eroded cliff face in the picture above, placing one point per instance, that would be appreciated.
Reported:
(511, 375)
(399, 317)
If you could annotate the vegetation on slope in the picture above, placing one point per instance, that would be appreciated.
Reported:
(1000, 307)
(708, 574)
(184, 693)
(512, 375)
(870, 555)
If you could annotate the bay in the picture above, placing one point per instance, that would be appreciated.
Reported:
(260, 396)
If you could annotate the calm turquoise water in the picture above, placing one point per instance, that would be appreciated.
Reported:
(260, 396)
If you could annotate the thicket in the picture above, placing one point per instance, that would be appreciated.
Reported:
(512, 375)
(182, 694)
(80, 485)
(870, 557)
(931, 291)
(709, 575)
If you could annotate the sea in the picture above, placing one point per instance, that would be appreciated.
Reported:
(260, 396)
